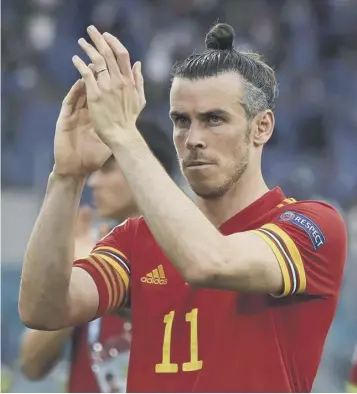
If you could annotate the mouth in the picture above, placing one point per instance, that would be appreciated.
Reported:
(198, 164)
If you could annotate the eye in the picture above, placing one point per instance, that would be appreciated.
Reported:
(214, 120)
(182, 121)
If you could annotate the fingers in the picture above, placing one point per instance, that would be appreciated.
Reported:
(139, 82)
(99, 62)
(93, 92)
(111, 65)
(105, 51)
(108, 54)
(122, 55)
(93, 54)
(74, 93)
(82, 101)
(92, 68)
(70, 101)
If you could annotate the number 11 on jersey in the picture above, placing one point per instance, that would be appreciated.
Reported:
(194, 364)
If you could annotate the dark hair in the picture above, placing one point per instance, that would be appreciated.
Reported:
(159, 143)
(220, 56)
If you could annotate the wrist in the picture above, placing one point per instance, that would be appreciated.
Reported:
(70, 186)
(70, 179)
(122, 138)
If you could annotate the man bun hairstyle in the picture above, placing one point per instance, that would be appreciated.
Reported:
(220, 37)
(220, 56)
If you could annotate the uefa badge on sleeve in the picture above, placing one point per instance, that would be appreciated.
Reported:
(307, 225)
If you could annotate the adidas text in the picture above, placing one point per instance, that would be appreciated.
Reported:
(155, 281)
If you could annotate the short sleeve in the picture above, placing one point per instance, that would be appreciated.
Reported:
(109, 266)
(309, 240)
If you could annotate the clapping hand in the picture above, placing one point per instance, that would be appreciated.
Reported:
(77, 149)
(116, 97)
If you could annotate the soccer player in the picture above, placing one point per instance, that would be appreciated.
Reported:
(235, 292)
(113, 200)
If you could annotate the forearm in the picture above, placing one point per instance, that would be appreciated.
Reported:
(49, 255)
(40, 350)
(187, 237)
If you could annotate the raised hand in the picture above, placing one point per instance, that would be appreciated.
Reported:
(116, 98)
(77, 148)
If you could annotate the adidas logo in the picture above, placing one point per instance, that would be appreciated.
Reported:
(156, 276)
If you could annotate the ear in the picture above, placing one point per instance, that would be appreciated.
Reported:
(264, 126)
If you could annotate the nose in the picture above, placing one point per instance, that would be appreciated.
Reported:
(195, 138)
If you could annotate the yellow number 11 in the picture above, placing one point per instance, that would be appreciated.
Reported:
(166, 366)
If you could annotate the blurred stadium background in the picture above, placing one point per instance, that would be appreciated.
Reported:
(311, 43)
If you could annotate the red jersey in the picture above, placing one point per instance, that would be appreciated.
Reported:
(204, 340)
(81, 378)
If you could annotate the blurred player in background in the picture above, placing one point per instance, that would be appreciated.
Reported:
(41, 350)
(233, 294)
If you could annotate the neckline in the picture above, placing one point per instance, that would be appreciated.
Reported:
(263, 204)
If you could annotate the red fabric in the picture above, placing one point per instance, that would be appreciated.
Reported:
(246, 342)
(110, 268)
(100, 280)
(82, 379)
(322, 266)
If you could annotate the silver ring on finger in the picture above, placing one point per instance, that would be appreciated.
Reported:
(104, 69)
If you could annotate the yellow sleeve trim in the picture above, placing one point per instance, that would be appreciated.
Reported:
(105, 277)
(287, 201)
(281, 261)
(294, 253)
(113, 250)
(111, 276)
(117, 268)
